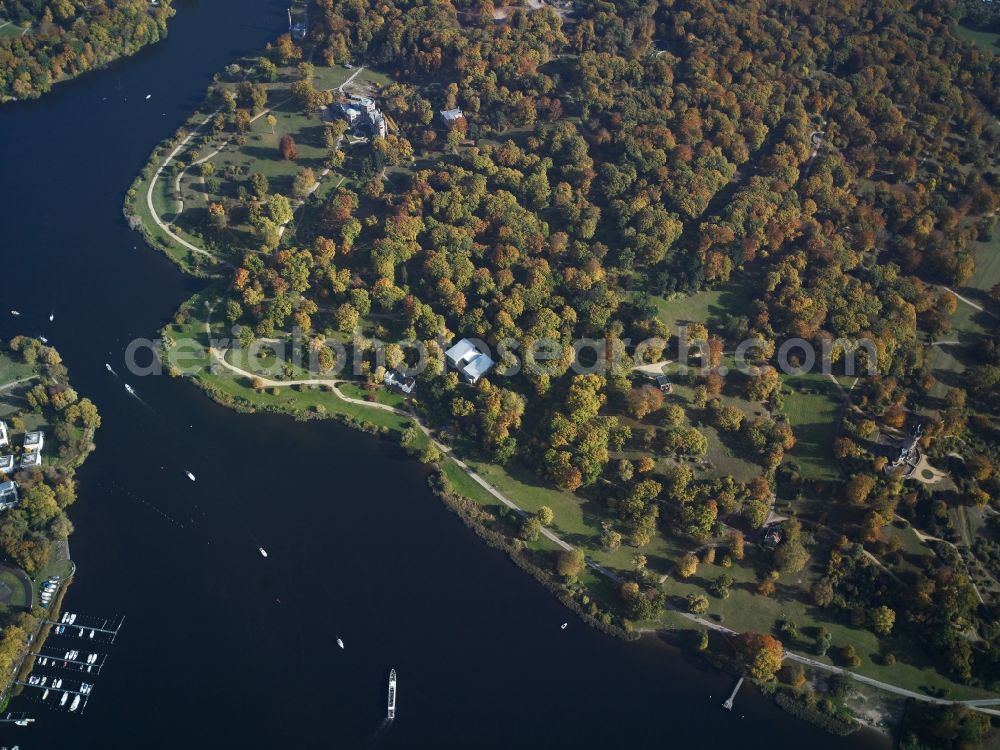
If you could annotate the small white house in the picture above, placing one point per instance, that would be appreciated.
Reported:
(468, 360)
(8, 495)
(396, 379)
(451, 116)
(6, 464)
(4, 436)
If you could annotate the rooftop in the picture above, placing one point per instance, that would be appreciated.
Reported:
(31, 458)
(468, 360)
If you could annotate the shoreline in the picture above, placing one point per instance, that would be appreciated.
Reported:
(245, 392)
(103, 65)
(33, 615)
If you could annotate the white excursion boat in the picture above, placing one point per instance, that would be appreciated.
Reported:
(392, 694)
(130, 389)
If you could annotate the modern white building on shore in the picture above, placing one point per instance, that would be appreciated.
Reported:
(468, 360)
(6, 464)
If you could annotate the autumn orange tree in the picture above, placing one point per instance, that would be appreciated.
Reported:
(759, 655)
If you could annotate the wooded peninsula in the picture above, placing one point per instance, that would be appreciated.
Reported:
(663, 172)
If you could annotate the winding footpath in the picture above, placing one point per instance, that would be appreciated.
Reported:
(218, 355)
(165, 227)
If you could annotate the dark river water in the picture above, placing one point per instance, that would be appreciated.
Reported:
(222, 648)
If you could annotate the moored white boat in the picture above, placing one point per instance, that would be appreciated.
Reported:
(392, 694)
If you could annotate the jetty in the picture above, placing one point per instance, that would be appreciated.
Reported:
(728, 705)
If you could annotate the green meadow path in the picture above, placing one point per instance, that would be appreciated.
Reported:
(180, 147)
(219, 356)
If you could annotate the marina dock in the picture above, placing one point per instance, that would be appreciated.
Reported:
(73, 652)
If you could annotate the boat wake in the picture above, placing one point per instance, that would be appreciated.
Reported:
(379, 734)
(132, 392)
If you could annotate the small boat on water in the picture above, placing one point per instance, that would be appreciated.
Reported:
(130, 389)
(45, 694)
(75, 704)
(263, 552)
(52, 316)
(91, 633)
(392, 694)
(108, 367)
(43, 339)
(190, 475)
(340, 642)
(563, 626)
(15, 313)
(62, 701)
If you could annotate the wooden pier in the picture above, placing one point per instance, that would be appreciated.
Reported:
(728, 705)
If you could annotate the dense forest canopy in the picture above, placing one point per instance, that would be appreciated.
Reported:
(835, 160)
(60, 39)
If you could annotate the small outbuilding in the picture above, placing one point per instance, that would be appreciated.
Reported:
(773, 535)
(6, 464)
(449, 117)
